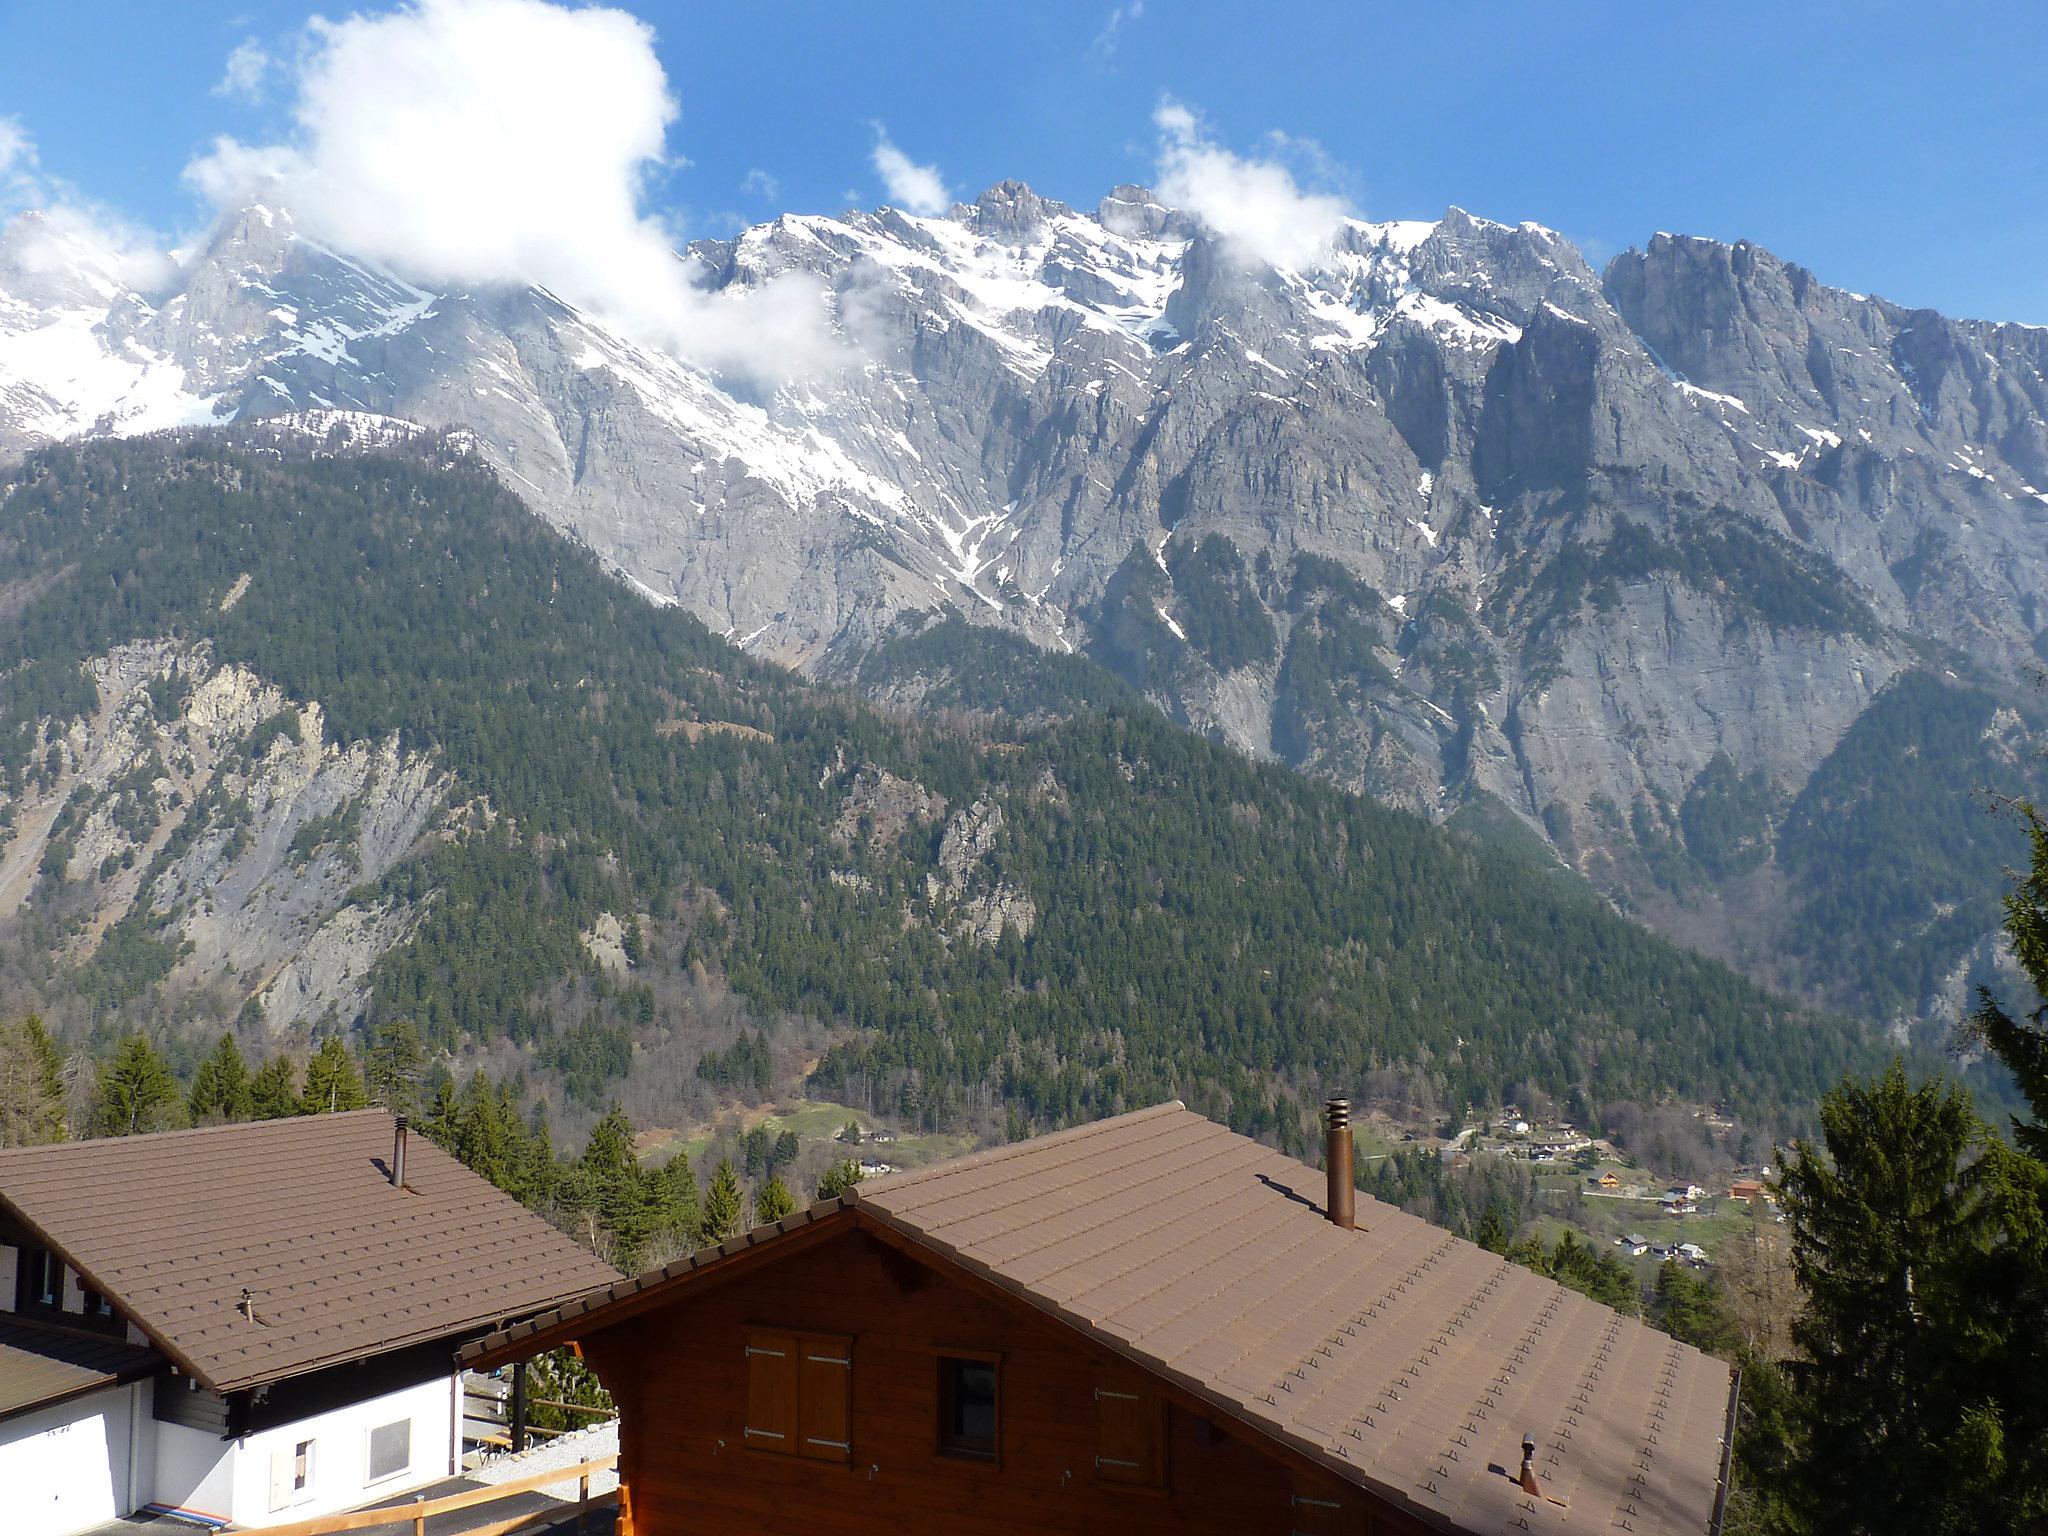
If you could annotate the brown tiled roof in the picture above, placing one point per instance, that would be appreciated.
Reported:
(338, 1263)
(48, 1365)
(1407, 1359)
(1404, 1359)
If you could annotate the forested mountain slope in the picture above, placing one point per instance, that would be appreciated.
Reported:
(322, 739)
(1445, 514)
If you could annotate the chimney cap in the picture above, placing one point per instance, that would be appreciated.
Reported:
(1339, 1111)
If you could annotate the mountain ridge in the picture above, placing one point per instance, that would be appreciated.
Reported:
(1592, 531)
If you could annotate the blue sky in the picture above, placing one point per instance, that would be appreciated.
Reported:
(1889, 148)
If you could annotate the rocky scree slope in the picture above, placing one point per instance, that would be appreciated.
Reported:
(1449, 517)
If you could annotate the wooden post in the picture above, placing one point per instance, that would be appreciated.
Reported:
(518, 1406)
(582, 1504)
(419, 1516)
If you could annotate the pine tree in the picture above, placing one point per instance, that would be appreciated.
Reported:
(774, 1201)
(838, 1179)
(2015, 1281)
(756, 1146)
(221, 1089)
(31, 1085)
(135, 1092)
(437, 1120)
(679, 1212)
(395, 1066)
(1889, 1236)
(785, 1151)
(725, 1204)
(332, 1082)
(617, 1189)
(274, 1090)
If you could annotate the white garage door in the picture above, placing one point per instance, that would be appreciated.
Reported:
(56, 1478)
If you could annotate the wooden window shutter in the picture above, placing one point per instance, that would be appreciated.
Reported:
(771, 1391)
(1131, 1441)
(824, 1394)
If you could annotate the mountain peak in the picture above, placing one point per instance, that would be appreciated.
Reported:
(1011, 211)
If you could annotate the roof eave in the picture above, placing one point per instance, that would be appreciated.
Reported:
(156, 1336)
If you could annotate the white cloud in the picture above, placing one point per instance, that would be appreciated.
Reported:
(247, 68)
(509, 142)
(1256, 207)
(759, 183)
(17, 151)
(1102, 52)
(913, 187)
(74, 233)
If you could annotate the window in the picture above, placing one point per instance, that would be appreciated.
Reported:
(799, 1394)
(1130, 1434)
(99, 1309)
(970, 1406)
(390, 1450)
(291, 1474)
(41, 1280)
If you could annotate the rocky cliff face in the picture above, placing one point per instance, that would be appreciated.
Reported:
(198, 793)
(1450, 517)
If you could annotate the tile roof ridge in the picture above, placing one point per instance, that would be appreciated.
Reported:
(888, 1184)
(61, 1149)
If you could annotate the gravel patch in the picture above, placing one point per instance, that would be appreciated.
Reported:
(562, 1451)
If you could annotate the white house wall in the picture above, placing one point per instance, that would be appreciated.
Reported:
(194, 1473)
(72, 1466)
(341, 1454)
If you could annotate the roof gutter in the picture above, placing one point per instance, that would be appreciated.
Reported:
(1727, 1454)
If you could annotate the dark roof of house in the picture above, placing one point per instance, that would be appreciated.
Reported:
(1402, 1358)
(338, 1264)
(39, 1366)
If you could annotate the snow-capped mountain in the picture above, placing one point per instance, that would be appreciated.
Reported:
(1450, 517)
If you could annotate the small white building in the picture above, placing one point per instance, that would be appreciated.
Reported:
(249, 1324)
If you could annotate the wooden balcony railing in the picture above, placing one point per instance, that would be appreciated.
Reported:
(421, 1510)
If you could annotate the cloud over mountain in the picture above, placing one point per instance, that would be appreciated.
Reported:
(1257, 208)
(507, 142)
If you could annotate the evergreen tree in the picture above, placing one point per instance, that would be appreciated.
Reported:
(274, 1090)
(774, 1200)
(332, 1082)
(785, 1150)
(1493, 1234)
(1891, 1225)
(838, 1179)
(395, 1066)
(2015, 1284)
(437, 1120)
(679, 1212)
(618, 1190)
(221, 1089)
(725, 1204)
(31, 1085)
(1690, 1310)
(758, 1143)
(135, 1091)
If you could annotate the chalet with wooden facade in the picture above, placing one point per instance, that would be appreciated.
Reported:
(250, 1323)
(1144, 1324)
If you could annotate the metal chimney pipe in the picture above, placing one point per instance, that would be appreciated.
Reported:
(1341, 1205)
(398, 1153)
(1528, 1477)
